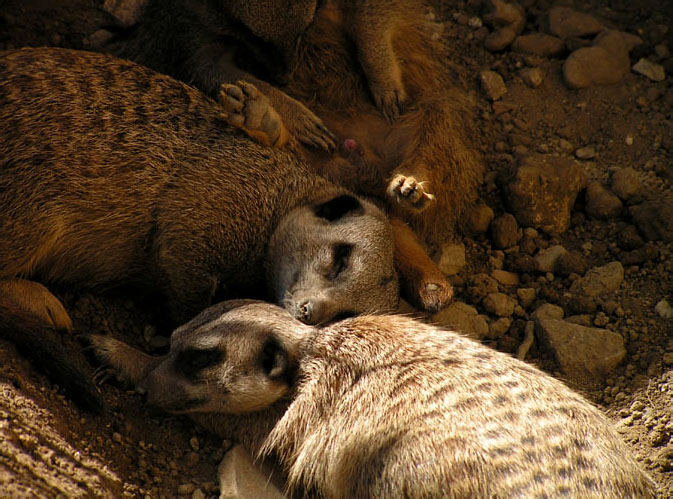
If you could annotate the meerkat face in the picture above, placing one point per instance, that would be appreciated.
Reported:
(332, 260)
(235, 357)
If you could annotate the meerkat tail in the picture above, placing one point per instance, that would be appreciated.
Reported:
(37, 341)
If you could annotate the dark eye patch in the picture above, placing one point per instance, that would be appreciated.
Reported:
(341, 254)
(192, 361)
(339, 207)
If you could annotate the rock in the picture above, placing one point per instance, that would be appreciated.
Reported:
(504, 231)
(628, 238)
(198, 494)
(583, 353)
(591, 65)
(480, 285)
(627, 185)
(532, 77)
(499, 327)
(565, 22)
(505, 278)
(599, 280)
(506, 14)
(520, 262)
(194, 443)
(492, 84)
(462, 317)
(453, 258)
(127, 12)
(664, 309)
(499, 39)
(98, 38)
(601, 203)
(543, 190)
(526, 296)
(479, 218)
(548, 311)
(239, 477)
(527, 245)
(499, 304)
(540, 44)
(651, 70)
(587, 152)
(186, 489)
(582, 320)
(647, 253)
(571, 262)
(545, 260)
(654, 219)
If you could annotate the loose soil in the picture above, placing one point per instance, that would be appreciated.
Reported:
(49, 447)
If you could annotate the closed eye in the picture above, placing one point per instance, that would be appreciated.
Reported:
(341, 254)
(192, 361)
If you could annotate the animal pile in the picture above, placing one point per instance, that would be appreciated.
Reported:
(318, 153)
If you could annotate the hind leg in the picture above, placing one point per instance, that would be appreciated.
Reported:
(422, 283)
(36, 299)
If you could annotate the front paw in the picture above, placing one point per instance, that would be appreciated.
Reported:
(434, 294)
(390, 101)
(409, 192)
(310, 130)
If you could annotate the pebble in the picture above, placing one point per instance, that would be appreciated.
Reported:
(570, 262)
(117, 437)
(452, 259)
(654, 219)
(492, 84)
(464, 318)
(481, 285)
(126, 11)
(186, 489)
(627, 185)
(194, 443)
(506, 14)
(98, 38)
(526, 296)
(198, 494)
(540, 44)
(504, 231)
(499, 304)
(587, 152)
(479, 218)
(565, 22)
(599, 280)
(651, 70)
(664, 309)
(601, 203)
(532, 77)
(520, 262)
(505, 278)
(546, 259)
(499, 39)
(499, 327)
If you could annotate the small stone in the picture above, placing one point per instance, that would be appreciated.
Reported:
(452, 260)
(664, 309)
(499, 39)
(651, 70)
(565, 22)
(503, 13)
(548, 311)
(504, 231)
(492, 84)
(582, 320)
(192, 458)
(526, 296)
(601, 203)
(540, 44)
(149, 332)
(599, 280)
(499, 327)
(505, 278)
(520, 262)
(186, 489)
(668, 358)
(479, 218)
(571, 262)
(198, 494)
(461, 317)
(627, 185)
(480, 285)
(194, 443)
(587, 152)
(98, 38)
(654, 219)
(499, 304)
(532, 77)
(646, 253)
(628, 238)
(601, 320)
(126, 11)
(545, 260)
(117, 437)
(591, 65)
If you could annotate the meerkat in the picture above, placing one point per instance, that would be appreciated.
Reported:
(111, 173)
(382, 406)
(372, 75)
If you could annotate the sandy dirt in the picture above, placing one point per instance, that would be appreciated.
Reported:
(49, 447)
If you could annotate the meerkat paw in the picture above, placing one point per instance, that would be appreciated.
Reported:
(36, 299)
(309, 129)
(250, 110)
(435, 294)
(390, 101)
(408, 191)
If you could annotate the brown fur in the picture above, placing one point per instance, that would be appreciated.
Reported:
(113, 174)
(385, 406)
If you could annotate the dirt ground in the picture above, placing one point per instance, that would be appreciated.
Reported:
(48, 447)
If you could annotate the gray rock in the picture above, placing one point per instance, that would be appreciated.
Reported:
(627, 185)
(492, 84)
(504, 231)
(461, 317)
(499, 39)
(654, 219)
(542, 191)
(506, 14)
(240, 478)
(540, 44)
(664, 309)
(601, 203)
(545, 260)
(452, 260)
(127, 12)
(651, 70)
(583, 353)
(526, 296)
(532, 77)
(499, 304)
(479, 217)
(599, 280)
(565, 22)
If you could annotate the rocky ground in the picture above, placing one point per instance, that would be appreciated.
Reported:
(568, 263)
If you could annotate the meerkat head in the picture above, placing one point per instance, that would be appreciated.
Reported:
(333, 259)
(235, 357)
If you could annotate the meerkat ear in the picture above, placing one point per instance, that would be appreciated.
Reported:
(339, 207)
(274, 358)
